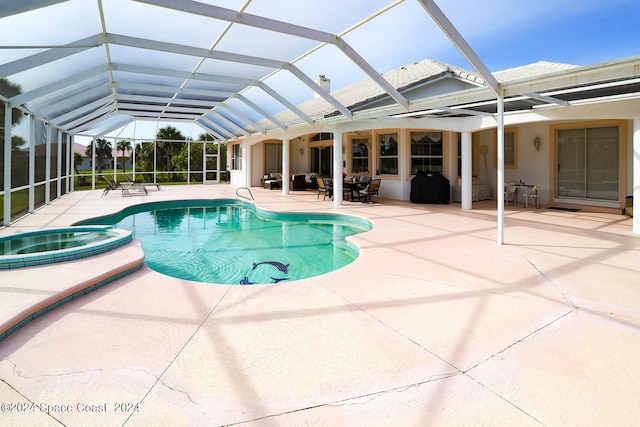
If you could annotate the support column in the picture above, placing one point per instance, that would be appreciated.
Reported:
(337, 168)
(7, 164)
(500, 180)
(286, 165)
(467, 170)
(247, 162)
(636, 176)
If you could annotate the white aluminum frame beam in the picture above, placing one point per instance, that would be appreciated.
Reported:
(207, 128)
(216, 126)
(72, 114)
(461, 44)
(173, 90)
(67, 104)
(243, 117)
(255, 21)
(228, 122)
(96, 114)
(286, 103)
(126, 97)
(261, 111)
(87, 125)
(50, 88)
(50, 55)
(166, 72)
(15, 7)
(549, 99)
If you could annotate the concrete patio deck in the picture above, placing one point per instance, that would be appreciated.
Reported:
(433, 324)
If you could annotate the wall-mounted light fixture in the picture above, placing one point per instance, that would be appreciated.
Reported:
(301, 151)
(536, 143)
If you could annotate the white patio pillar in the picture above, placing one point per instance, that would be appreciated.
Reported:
(337, 168)
(467, 171)
(286, 165)
(636, 176)
(247, 163)
(500, 179)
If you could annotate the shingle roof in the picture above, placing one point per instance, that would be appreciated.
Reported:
(367, 90)
(538, 69)
(407, 77)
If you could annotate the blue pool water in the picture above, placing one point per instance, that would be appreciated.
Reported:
(232, 242)
(58, 245)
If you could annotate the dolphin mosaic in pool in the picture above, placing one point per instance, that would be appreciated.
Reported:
(280, 266)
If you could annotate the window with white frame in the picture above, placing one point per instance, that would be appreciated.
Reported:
(236, 160)
(360, 155)
(510, 149)
(427, 152)
(388, 153)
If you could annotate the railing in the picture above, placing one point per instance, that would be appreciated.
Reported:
(244, 197)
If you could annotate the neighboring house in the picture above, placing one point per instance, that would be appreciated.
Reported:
(106, 163)
(568, 129)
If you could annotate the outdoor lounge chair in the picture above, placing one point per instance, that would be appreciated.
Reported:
(370, 190)
(125, 187)
(141, 183)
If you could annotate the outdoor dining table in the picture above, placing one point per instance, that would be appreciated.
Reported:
(354, 187)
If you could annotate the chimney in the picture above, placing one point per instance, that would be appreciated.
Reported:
(324, 83)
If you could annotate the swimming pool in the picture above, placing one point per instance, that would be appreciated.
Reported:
(49, 246)
(233, 242)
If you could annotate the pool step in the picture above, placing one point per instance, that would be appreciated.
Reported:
(28, 293)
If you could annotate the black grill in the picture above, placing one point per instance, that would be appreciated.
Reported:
(430, 187)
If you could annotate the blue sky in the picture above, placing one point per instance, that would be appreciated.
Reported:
(581, 33)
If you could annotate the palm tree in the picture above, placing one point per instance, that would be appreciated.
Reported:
(168, 147)
(144, 156)
(103, 151)
(77, 160)
(122, 146)
(9, 90)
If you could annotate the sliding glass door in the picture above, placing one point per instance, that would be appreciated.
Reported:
(588, 163)
(322, 160)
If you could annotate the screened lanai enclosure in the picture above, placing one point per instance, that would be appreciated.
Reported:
(197, 92)
(88, 86)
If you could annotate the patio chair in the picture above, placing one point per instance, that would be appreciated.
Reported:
(510, 193)
(324, 186)
(533, 196)
(370, 190)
